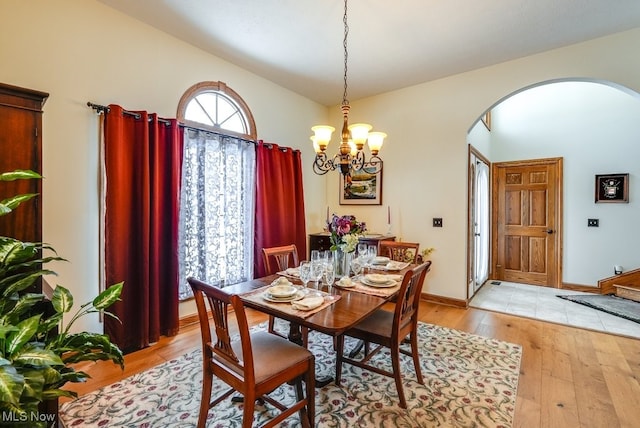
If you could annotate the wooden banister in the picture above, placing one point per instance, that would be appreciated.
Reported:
(630, 278)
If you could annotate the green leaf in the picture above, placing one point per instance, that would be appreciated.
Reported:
(75, 377)
(5, 330)
(50, 323)
(50, 394)
(26, 330)
(34, 355)
(20, 282)
(13, 202)
(108, 296)
(62, 299)
(33, 384)
(19, 174)
(11, 385)
(25, 303)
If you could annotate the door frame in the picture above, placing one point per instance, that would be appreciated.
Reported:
(558, 162)
(472, 151)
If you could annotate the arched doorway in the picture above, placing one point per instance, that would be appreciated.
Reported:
(593, 126)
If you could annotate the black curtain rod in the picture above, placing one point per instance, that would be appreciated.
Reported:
(100, 109)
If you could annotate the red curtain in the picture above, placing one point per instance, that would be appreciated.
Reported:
(279, 201)
(143, 158)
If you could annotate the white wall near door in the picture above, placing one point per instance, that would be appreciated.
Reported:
(596, 129)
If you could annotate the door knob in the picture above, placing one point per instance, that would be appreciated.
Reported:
(549, 231)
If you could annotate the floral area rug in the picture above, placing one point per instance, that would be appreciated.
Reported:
(470, 381)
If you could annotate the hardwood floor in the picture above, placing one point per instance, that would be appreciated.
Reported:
(569, 377)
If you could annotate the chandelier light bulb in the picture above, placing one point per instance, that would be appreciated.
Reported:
(316, 146)
(322, 135)
(359, 133)
(376, 139)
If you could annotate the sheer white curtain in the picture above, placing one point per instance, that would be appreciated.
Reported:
(216, 209)
(482, 223)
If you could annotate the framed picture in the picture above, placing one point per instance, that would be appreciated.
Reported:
(486, 119)
(362, 187)
(612, 188)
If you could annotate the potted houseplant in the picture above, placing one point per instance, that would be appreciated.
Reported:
(37, 348)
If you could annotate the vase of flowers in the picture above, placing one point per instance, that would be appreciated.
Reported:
(345, 231)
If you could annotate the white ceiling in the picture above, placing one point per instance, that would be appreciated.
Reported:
(392, 44)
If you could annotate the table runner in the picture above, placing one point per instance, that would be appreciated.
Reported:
(256, 296)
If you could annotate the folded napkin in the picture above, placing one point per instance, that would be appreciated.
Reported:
(345, 281)
(281, 281)
(381, 278)
(393, 265)
(293, 271)
(308, 303)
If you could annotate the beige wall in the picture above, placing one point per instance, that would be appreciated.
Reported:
(81, 51)
(426, 152)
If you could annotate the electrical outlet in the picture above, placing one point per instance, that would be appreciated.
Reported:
(437, 222)
(593, 222)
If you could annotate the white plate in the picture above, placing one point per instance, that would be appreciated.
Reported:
(381, 260)
(389, 283)
(282, 290)
(299, 295)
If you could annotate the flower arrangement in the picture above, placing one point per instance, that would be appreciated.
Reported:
(424, 254)
(345, 231)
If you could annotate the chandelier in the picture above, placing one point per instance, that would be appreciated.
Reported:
(350, 156)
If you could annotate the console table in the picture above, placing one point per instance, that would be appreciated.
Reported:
(320, 241)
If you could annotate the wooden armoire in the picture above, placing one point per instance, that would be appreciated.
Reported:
(21, 148)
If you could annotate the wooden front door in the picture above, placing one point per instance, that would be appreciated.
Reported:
(527, 221)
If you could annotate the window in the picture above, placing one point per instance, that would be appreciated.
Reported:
(217, 192)
(216, 107)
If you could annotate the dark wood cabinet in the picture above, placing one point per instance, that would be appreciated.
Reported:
(21, 148)
(320, 241)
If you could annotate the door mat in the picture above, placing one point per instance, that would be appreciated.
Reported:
(610, 303)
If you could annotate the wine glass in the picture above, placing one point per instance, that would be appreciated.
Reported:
(362, 248)
(372, 252)
(356, 266)
(315, 256)
(317, 270)
(329, 278)
(329, 259)
(305, 272)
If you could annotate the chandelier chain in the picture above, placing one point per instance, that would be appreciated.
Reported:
(350, 157)
(345, 101)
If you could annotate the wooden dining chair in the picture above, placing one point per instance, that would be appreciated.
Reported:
(278, 259)
(399, 251)
(254, 365)
(388, 329)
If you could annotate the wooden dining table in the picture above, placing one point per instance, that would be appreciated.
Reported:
(349, 306)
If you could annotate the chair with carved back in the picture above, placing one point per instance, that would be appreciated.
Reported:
(388, 329)
(399, 251)
(278, 259)
(254, 365)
